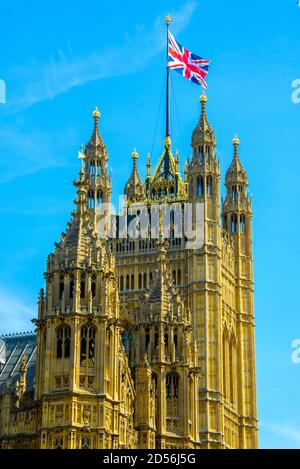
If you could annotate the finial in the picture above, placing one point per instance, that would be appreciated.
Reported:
(203, 98)
(96, 113)
(236, 140)
(148, 165)
(168, 19)
(168, 141)
(135, 154)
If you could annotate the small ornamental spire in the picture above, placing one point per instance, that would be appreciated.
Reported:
(236, 143)
(203, 133)
(135, 156)
(177, 161)
(148, 166)
(96, 114)
(134, 189)
(236, 173)
(203, 101)
(23, 372)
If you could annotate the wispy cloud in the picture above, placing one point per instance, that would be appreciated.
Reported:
(15, 315)
(35, 149)
(43, 81)
(284, 430)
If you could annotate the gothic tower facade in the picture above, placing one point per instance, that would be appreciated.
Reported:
(145, 341)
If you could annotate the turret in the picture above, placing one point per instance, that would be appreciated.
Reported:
(134, 188)
(202, 173)
(237, 206)
(96, 172)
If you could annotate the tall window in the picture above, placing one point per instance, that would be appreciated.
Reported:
(72, 287)
(172, 395)
(61, 287)
(87, 346)
(82, 287)
(63, 342)
(93, 288)
(209, 183)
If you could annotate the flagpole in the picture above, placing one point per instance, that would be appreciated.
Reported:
(168, 21)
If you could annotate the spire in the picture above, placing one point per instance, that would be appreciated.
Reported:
(236, 173)
(95, 166)
(23, 372)
(79, 236)
(95, 147)
(148, 166)
(134, 188)
(203, 133)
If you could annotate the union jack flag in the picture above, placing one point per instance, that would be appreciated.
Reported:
(190, 65)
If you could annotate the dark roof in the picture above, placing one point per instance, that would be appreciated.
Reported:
(13, 348)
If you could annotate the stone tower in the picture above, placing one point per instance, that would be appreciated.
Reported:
(142, 341)
(84, 393)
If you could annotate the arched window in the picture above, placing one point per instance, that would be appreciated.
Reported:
(93, 289)
(132, 282)
(61, 287)
(92, 168)
(59, 443)
(200, 188)
(121, 283)
(200, 154)
(99, 198)
(145, 280)
(82, 288)
(242, 223)
(150, 278)
(140, 281)
(179, 277)
(233, 223)
(63, 341)
(147, 339)
(91, 199)
(166, 339)
(207, 154)
(156, 339)
(72, 285)
(175, 339)
(172, 397)
(85, 443)
(209, 185)
(127, 282)
(87, 346)
(174, 277)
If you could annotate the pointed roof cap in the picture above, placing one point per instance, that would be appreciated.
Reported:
(96, 148)
(236, 173)
(134, 188)
(163, 298)
(203, 132)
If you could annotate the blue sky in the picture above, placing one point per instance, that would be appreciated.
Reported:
(59, 62)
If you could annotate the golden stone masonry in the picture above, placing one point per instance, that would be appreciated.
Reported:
(141, 343)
